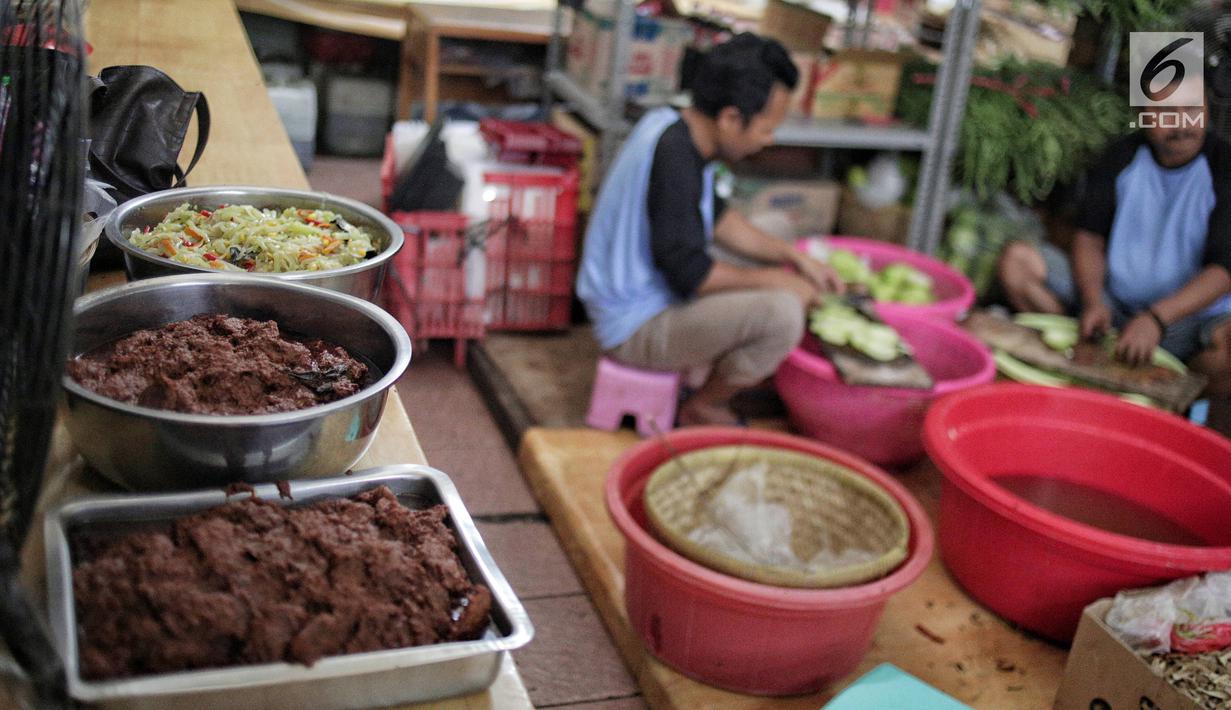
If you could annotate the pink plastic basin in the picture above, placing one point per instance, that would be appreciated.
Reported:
(1040, 569)
(954, 292)
(881, 424)
(736, 634)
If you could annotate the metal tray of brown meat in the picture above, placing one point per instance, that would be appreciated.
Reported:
(361, 680)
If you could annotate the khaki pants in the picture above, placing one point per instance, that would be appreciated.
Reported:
(744, 335)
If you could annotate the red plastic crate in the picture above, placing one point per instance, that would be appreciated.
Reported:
(428, 293)
(531, 143)
(531, 245)
(531, 250)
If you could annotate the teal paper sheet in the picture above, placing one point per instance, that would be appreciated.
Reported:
(887, 687)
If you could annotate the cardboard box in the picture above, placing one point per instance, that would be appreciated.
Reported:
(677, 36)
(810, 207)
(889, 224)
(655, 53)
(1103, 668)
(857, 84)
(579, 54)
(798, 27)
(801, 97)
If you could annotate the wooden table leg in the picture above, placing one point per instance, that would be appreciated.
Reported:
(406, 80)
(431, 77)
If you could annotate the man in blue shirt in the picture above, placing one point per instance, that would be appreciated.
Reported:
(657, 299)
(1152, 253)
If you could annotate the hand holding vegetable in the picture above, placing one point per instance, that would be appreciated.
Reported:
(1138, 340)
(822, 275)
(1095, 320)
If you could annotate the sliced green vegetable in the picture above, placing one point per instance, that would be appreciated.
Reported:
(881, 352)
(898, 282)
(1138, 399)
(1019, 371)
(1046, 321)
(1060, 338)
(850, 267)
(839, 324)
(1162, 358)
(1057, 328)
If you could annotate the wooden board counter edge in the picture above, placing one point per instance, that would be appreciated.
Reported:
(980, 659)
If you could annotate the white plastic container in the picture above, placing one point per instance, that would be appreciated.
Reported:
(463, 142)
(296, 105)
(357, 113)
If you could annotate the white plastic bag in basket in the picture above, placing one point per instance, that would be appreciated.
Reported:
(1144, 618)
(742, 524)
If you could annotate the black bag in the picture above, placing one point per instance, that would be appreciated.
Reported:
(138, 119)
(429, 182)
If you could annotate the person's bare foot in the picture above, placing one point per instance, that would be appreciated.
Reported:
(697, 413)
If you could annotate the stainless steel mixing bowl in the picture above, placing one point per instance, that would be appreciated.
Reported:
(153, 449)
(362, 280)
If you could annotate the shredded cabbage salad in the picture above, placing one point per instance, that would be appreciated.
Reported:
(244, 238)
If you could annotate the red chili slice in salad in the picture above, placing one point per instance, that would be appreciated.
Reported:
(304, 215)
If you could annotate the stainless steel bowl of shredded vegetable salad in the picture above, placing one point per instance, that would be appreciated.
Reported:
(311, 237)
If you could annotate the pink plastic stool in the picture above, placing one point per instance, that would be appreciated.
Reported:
(649, 395)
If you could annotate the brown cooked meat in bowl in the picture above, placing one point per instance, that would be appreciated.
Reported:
(219, 364)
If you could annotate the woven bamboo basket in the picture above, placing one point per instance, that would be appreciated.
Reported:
(830, 506)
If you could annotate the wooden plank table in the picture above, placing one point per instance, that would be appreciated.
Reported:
(202, 45)
(982, 660)
(420, 27)
(428, 24)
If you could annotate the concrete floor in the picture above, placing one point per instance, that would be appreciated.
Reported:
(571, 663)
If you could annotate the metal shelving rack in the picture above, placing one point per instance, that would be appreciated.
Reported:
(936, 144)
(604, 113)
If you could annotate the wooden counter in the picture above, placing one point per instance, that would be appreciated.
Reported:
(202, 45)
(971, 654)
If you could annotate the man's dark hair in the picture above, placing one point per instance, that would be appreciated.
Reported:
(741, 73)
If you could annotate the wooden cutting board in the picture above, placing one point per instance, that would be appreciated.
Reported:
(1089, 363)
(855, 368)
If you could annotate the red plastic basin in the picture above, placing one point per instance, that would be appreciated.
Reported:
(1040, 569)
(954, 292)
(736, 634)
(881, 424)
